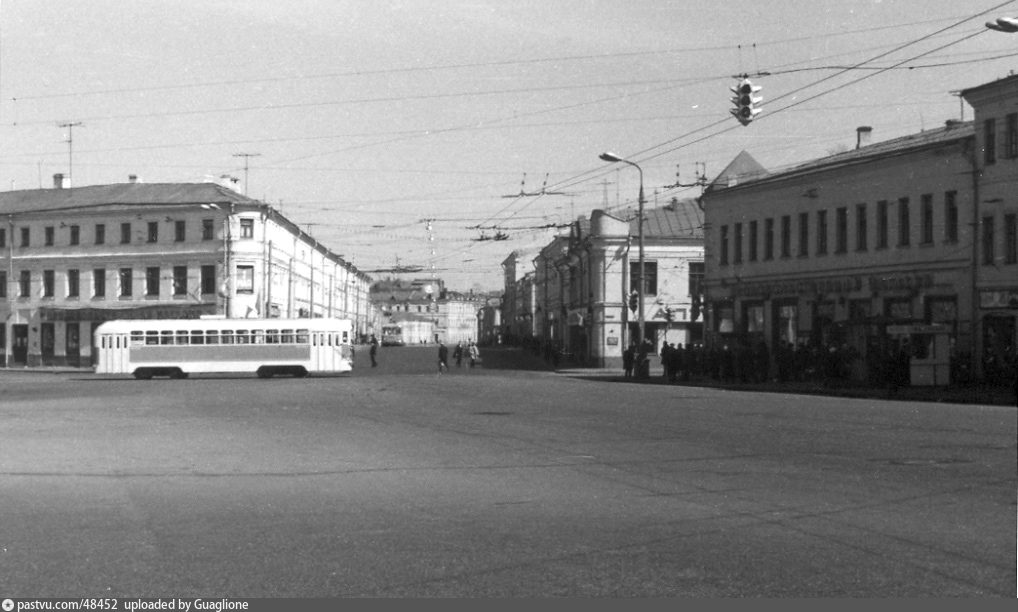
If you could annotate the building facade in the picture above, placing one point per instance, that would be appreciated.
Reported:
(996, 214)
(76, 257)
(584, 285)
(452, 315)
(886, 248)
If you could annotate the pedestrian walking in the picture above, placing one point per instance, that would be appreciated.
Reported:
(457, 354)
(373, 350)
(628, 356)
(475, 354)
(443, 357)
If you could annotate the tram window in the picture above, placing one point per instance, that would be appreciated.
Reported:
(258, 336)
(242, 337)
(151, 337)
(137, 337)
(227, 335)
(346, 337)
(197, 336)
(302, 336)
(181, 336)
(272, 336)
(166, 337)
(212, 336)
(287, 337)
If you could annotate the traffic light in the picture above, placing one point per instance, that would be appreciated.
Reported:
(633, 301)
(745, 101)
(695, 314)
(669, 314)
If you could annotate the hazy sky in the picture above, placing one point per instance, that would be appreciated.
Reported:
(365, 118)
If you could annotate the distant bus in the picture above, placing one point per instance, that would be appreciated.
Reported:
(178, 347)
(392, 335)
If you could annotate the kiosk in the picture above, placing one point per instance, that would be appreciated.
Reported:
(930, 352)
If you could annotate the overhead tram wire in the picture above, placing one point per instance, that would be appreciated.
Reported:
(579, 179)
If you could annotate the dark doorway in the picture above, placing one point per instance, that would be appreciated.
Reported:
(47, 341)
(19, 344)
(73, 344)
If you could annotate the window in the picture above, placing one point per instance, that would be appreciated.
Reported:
(860, 228)
(841, 229)
(75, 236)
(99, 282)
(3, 284)
(752, 240)
(126, 281)
(208, 280)
(247, 228)
(1010, 238)
(987, 241)
(245, 279)
(125, 233)
(951, 216)
(73, 283)
(904, 232)
(696, 273)
(990, 141)
(179, 280)
(1011, 136)
(208, 229)
(882, 224)
(47, 234)
(926, 218)
(738, 243)
(100, 233)
(803, 234)
(723, 255)
(821, 232)
(152, 281)
(786, 236)
(3, 238)
(649, 277)
(153, 231)
(768, 239)
(25, 284)
(48, 278)
(179, 231)
(25, 235)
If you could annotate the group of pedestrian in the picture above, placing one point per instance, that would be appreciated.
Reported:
(470, 351)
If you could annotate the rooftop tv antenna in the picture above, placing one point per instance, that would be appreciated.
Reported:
(70, 125)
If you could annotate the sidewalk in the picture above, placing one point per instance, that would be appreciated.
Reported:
(976, 394)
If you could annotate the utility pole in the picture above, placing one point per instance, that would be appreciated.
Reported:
(247, 157)
(70, 125)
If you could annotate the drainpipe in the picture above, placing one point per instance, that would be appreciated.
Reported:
(977, 363)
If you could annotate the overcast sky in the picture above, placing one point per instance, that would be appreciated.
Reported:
(363, 119)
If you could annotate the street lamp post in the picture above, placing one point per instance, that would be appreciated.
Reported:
(611, 157)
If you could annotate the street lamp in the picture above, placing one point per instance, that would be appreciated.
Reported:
(1004, 24)
(611, 157)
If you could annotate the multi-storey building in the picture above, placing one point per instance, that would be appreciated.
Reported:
(76, 257)
(858, 250)
(452, 315)
(995, 213)
(583, 284)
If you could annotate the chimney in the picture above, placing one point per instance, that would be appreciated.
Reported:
(58, 181)
(862, 135)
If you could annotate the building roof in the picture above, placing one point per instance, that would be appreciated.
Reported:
(677, 219)
(952, 131)
(119, 194)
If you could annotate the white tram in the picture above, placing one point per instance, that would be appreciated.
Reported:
(178, 347)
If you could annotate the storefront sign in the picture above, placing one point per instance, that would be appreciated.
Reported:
(998, 299)
(836, 285)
